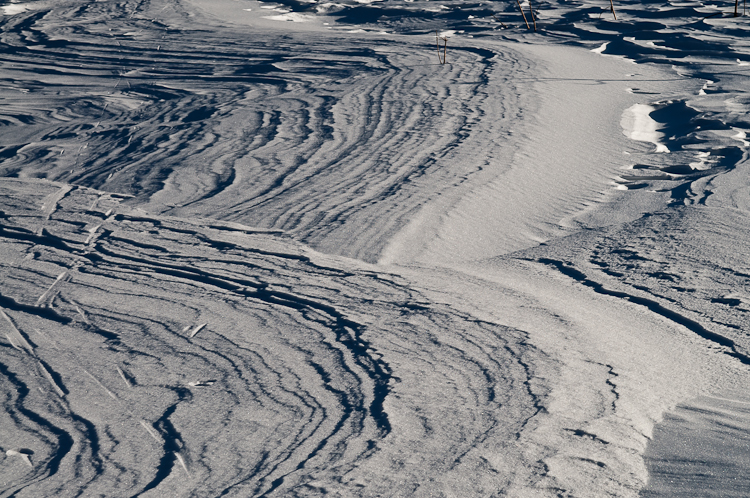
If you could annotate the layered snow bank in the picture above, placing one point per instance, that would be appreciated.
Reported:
(547, 285)
(701, 449)
(148, 352)
(622, 316)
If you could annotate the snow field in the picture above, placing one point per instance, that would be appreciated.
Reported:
(248, 256)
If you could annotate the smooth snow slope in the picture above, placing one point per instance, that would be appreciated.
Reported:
(256, 249)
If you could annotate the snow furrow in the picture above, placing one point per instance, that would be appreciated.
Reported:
(314, 393)
(279, 250)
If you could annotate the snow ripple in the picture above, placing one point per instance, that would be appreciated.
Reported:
(222, 359)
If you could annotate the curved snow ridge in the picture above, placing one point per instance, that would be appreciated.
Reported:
(194, 359)
(653, 306)
(333, 143)
(390, 145)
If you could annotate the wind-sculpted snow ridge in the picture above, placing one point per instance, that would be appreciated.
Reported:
(343, 139)
(705, 132)
(275, 124)
(685, 264)
(182, 187)
(148, 353)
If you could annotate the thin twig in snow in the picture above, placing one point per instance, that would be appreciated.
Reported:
(124, 377)
(494, 16)
(58, 389)
(10, 340)
(445, 45)
(151, 431)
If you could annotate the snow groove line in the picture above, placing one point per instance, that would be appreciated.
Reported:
(23, 416)
(261, 472)
(89, 440)
(282, 259)
(44, 238)
(49, 314)
(650, 304)
(171, 442)
(348, 332)
(104, 63)
(219, 244)
(348, 410)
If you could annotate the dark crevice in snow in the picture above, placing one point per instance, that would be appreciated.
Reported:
(582, 433)
(47, 313)
(221, 183)
(59, 441)
(173, 443)
(611, 383)
(537, 400)
(45, 239)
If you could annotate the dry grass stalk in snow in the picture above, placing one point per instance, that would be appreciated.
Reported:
(197, 329)
(494, 16)
(445, 45)
(523, 14)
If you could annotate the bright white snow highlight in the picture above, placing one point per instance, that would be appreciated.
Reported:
(638, 125)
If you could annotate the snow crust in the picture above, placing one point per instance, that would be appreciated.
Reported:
(247, 257)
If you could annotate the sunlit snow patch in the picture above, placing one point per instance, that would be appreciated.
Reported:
(703, 162)
(601, 49)
(15, 8)
(741, 136)
(637, 124)
(292, 16)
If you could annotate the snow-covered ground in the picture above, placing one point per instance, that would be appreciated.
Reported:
(279, 249)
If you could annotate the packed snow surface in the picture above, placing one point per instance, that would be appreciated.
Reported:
(280, 249)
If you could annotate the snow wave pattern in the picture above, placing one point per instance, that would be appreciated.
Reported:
(144, 352)
(333, 144)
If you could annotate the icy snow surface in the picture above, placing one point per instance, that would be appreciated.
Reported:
(243, 255)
